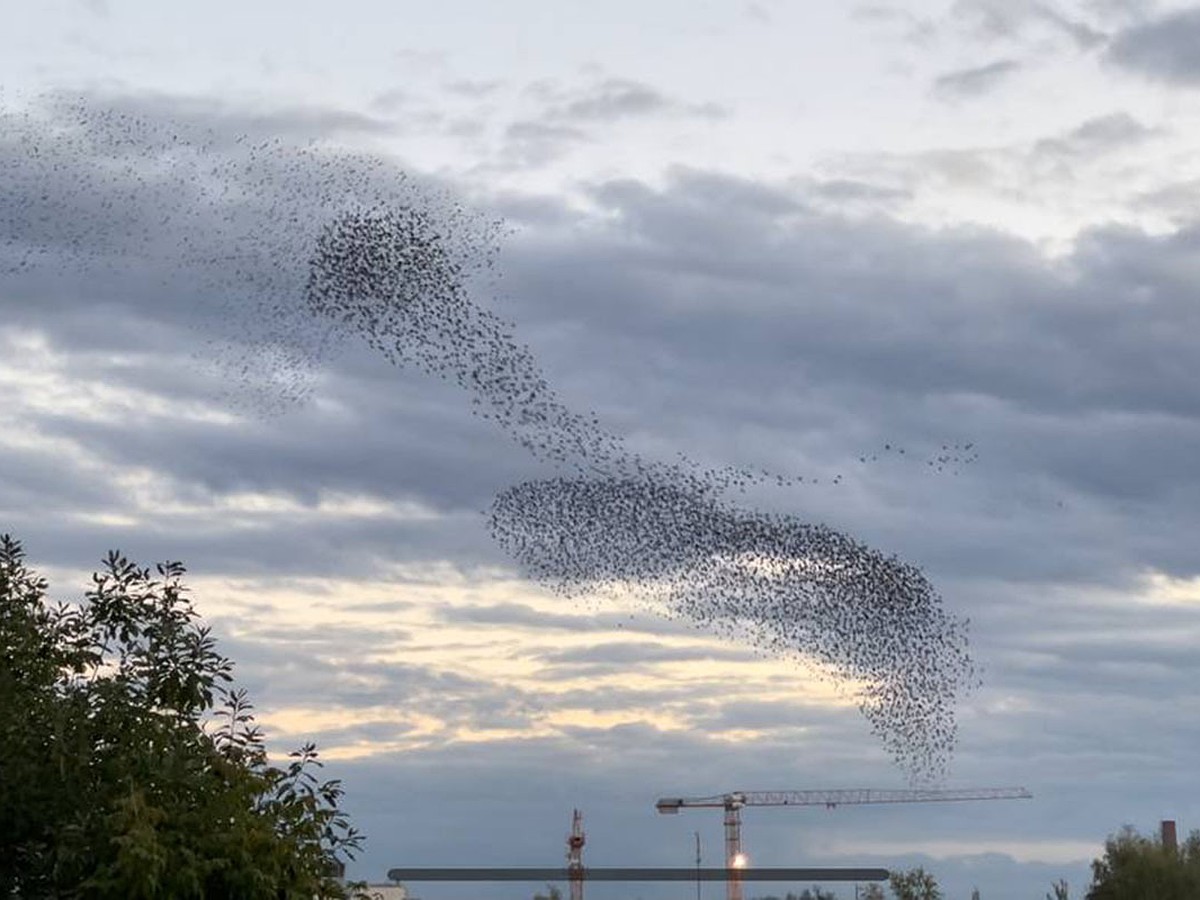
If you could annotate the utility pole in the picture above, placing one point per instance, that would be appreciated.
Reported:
(697, 865)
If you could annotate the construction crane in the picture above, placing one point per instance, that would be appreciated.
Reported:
(575, 842)
(733, 802)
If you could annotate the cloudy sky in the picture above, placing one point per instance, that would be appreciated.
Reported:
(779, 235)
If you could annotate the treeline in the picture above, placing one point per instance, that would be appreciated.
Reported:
(1134, 867)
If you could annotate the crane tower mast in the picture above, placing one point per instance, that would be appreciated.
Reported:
(575, 842)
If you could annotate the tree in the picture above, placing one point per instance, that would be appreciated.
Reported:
(872, 892)
(1060, 891)
(131, 767)
(915, 884)
(1140, 868)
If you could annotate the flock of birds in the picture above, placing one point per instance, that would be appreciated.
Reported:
(301, 247)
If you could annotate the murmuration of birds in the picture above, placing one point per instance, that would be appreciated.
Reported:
(301, 247)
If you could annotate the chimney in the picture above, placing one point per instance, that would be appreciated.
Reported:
(1169, 841)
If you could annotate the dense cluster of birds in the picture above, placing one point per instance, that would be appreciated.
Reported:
(304, 247)
(390, 277)
(786, 586)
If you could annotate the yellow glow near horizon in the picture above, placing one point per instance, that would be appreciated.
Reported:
(436, 621)
(1171, 591)
(404, 622)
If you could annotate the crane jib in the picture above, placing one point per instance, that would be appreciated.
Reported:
(834, 798)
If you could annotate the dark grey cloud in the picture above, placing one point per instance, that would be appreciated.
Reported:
(390, 100)
(849, 190)
(571, 115)
(240, 120)
(1179, 201)
(98, 8)
(527, 617)
(915, 29)
(381, 606)
(625, 658)
(1122, 10)
(977, 80)
(1059, 171)
(47, 484)
(618, 98)
(756, 12)
(1085, 36)
(612, 99)
(1162, 48)
(194, 190)
(1097, 136)
(768, 715)
(1012, 19)
(685, 222)
(536, 142)
(640, 652)
(328, 637)
(421, 59)
(810, 290)
(838, 318)
(681, 696)
(1072, 321)
(472, 88)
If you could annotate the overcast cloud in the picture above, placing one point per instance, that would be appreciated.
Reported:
(977, 80)
(716, 263)
(1162, 48)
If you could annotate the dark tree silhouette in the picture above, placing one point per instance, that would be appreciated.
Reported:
(130, 767)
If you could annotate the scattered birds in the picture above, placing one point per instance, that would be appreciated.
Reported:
(296, 249)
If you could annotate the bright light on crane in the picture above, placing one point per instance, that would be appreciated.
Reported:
(739, 861)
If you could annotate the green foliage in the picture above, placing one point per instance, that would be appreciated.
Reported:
(1060, 891)
(915, 884)
(872, 892)
(1140, 868)
(129, 765)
